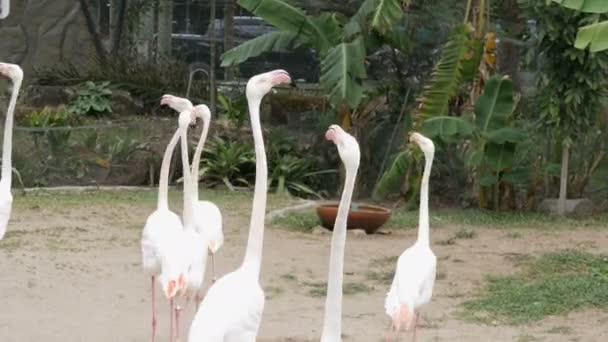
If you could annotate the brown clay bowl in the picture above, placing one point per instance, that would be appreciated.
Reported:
(361, 216)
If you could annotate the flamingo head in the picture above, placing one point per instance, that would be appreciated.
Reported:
(426, 144)
(12, 71)
(179, 104)
(348, 147)
(262, 84)
(202, 112)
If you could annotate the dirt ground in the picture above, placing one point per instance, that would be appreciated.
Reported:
(71, 271)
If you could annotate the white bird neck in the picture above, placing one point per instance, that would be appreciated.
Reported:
(332, 323)
(255, 242)
(163, 181)
(423, 220)
(7, 146)
(196, 159)
(188, 208)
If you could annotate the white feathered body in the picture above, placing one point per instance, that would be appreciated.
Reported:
(208, 222)
(414, 279)
(160, 242)
(232, 309)
(6, 204)
(196, 248)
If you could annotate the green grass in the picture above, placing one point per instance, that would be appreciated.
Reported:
(404, 219)
(561, 330)
(465, 234)
(319, 289)
(553, 284)
(302, 221)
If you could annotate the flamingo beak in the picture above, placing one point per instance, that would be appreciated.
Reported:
(280, 77)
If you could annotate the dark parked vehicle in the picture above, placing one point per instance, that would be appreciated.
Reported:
(302, 63)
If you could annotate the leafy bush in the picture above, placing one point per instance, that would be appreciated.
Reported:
(233, 108)
(92, 99)
(46, 118)
(227, 162)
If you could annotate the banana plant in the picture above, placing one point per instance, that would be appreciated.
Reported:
(594, 35)
(492, 138)
(340, 43)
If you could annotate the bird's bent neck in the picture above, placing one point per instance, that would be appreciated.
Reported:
(163, 181)
(187, 214)
(423, 220)
(332, 323)
(196, 159)
(7, 146)
(255, 242)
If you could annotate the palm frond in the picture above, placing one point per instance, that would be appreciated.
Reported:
(392, 179)
(272, 41)
(342, 72)
(446, 77)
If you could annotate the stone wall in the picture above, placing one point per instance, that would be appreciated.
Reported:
(42, 33)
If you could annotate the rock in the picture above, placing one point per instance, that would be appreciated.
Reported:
(575, 207)
(51, 96)
(358, 233)
(124, 103)
(318, 230)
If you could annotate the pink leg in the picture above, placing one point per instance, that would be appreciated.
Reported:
(171, 320)
(177, 310)
(213, 268)
(153, 310)
(415, 324)
(197, 301)
(389, 336)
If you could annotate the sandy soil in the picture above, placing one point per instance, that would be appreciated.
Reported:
(74, 274)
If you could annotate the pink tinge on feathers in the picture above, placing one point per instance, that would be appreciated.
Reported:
(330, 134)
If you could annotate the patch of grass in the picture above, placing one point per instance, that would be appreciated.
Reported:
(383, 270)
(319, 289)
(514, 235)
(302, 221)
(408, 219)
(528, 338)
(553, 284)
(560, 330)
(465, 234)
(13, 240)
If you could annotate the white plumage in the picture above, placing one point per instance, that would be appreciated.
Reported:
(14, 72)
(414, 279)
(232, 309)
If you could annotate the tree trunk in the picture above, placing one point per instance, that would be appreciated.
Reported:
(563, 182)
(92, 28)
(118, 15)
(229, 9)
(165, 28)
(212, 54)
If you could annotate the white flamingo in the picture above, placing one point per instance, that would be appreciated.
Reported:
(412, 286)
(15, 73)
(162, 253)
(194, 244)
(232, 309)
(207, 215)
(348, 148)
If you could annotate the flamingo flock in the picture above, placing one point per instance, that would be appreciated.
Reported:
(175, 249)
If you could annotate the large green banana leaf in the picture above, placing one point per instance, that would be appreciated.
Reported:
(383, 13)
(447, 127)
(446, 77)
(342, 72)
(272, 41)
(594, 36)
(287, 17)
(392, 179)
(495, 105)
(587, 6)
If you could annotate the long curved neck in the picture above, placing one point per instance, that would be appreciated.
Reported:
(196, 159)
(255, 241)
(163, 182)
(7, 146)
(332, 323)
(187, 179)
(423, 220)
